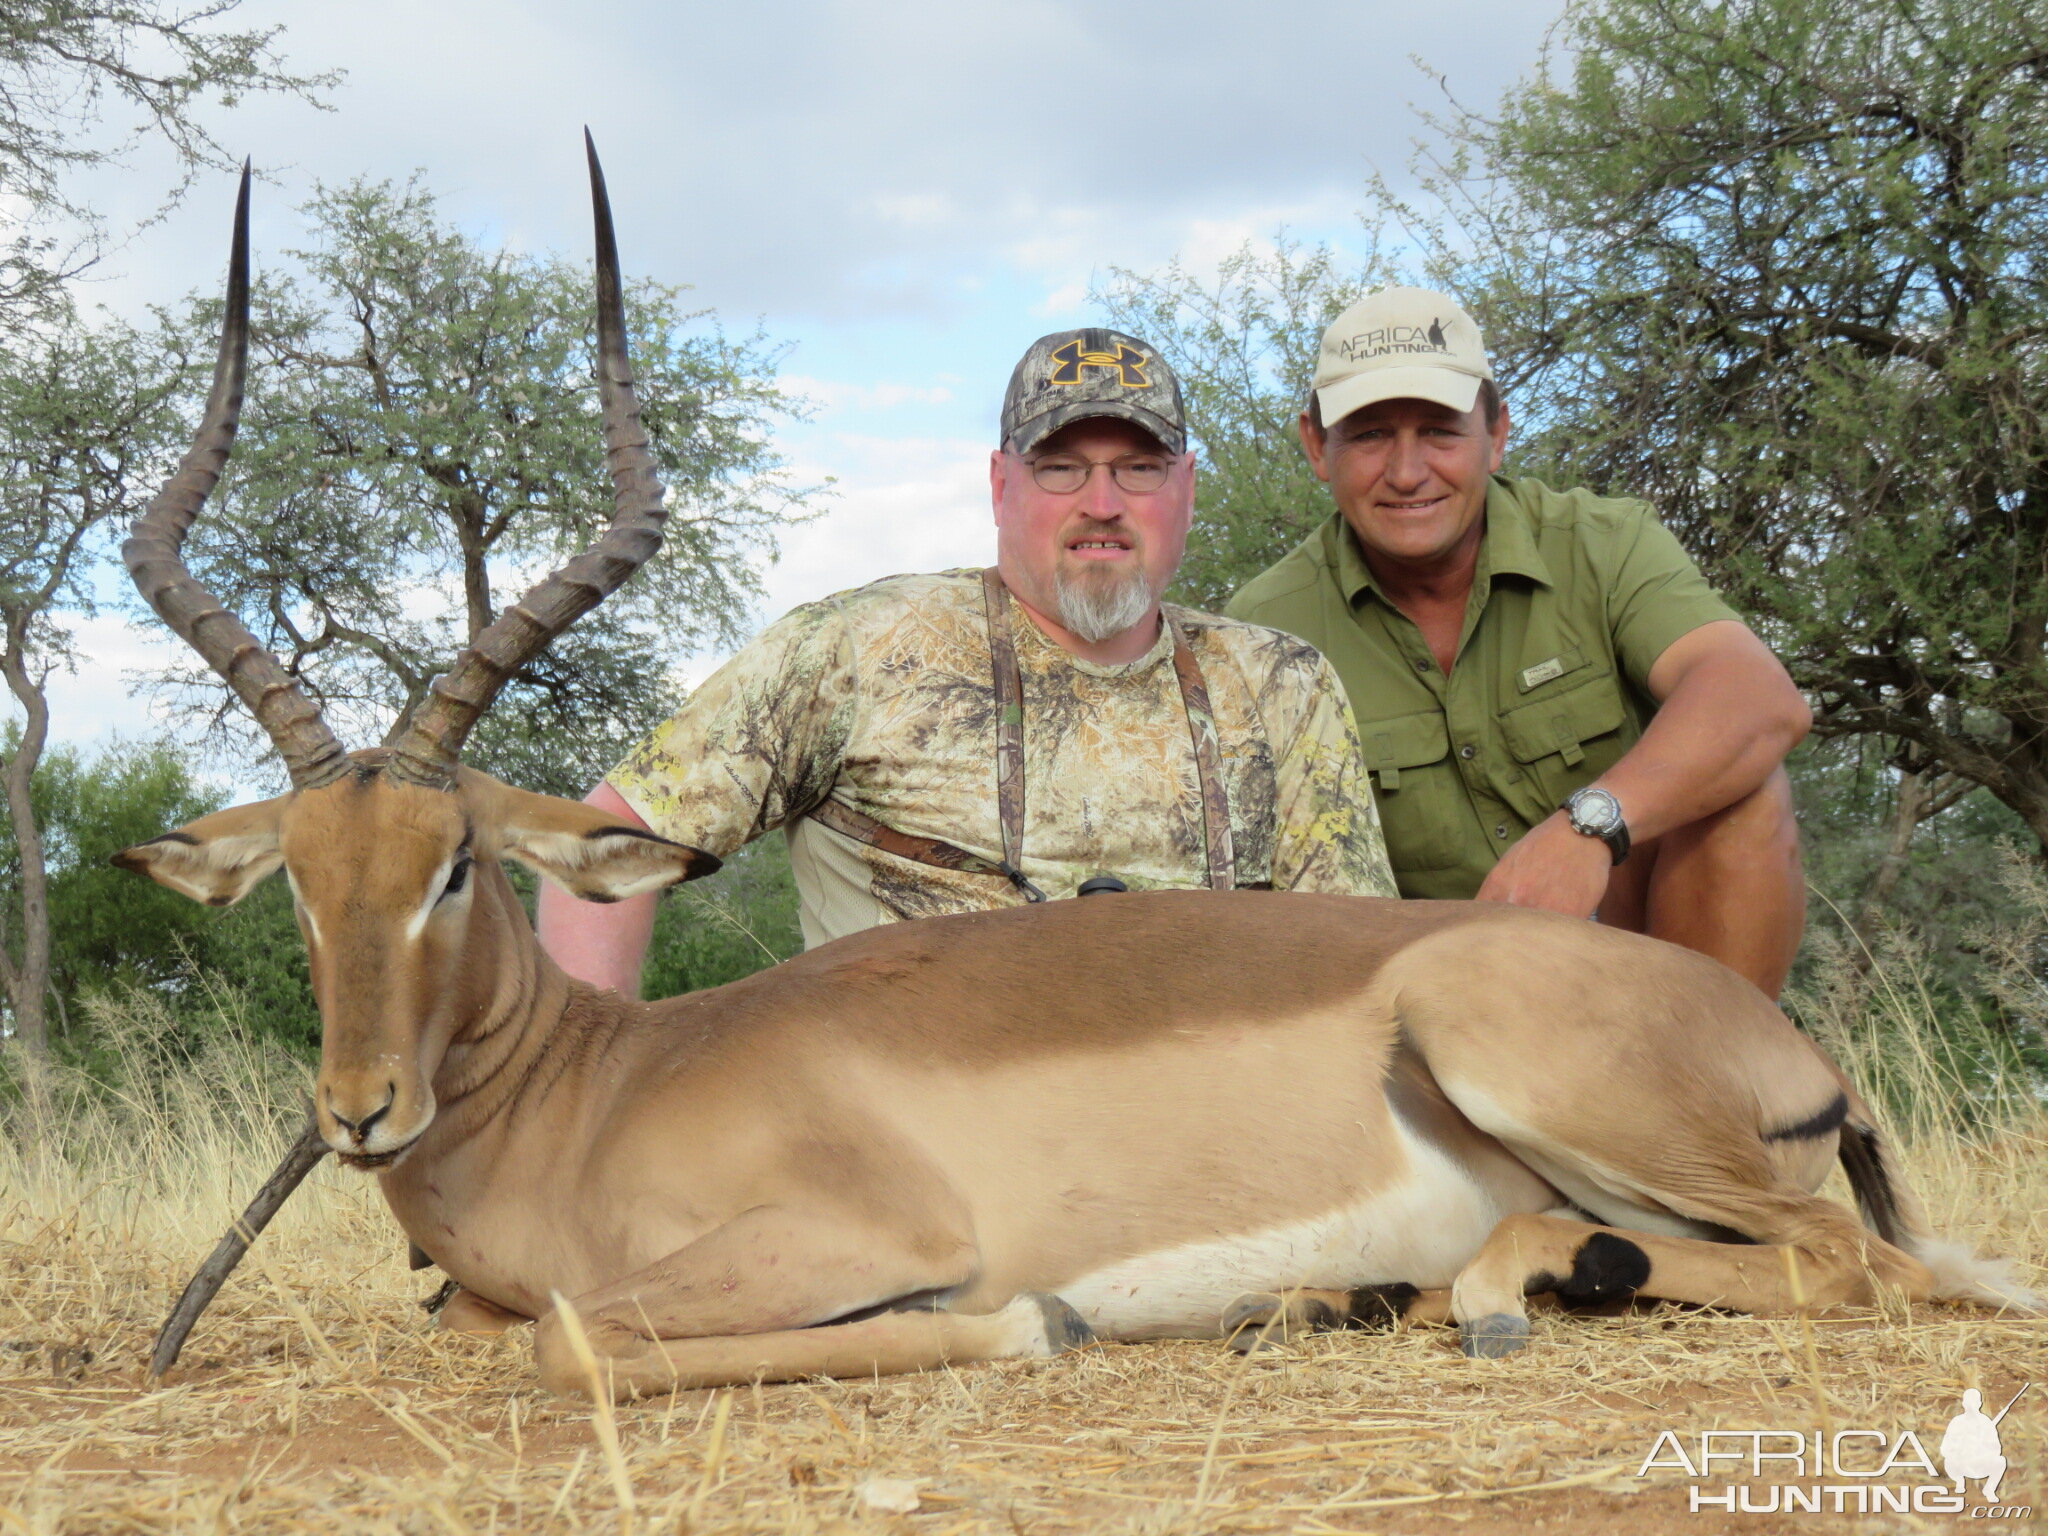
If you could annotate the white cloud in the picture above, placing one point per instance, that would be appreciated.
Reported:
(910, 189)
(838, 395)
(93, 703)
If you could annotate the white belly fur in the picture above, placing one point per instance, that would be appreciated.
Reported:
(1422, 1227)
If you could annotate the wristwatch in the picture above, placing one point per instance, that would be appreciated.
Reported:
(1596, 813)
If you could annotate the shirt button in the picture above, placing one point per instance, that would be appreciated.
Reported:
(1421, 666)
(1501, 830)
(1467, 751)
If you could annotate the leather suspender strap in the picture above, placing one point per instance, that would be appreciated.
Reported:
(863, 828)
(1194, 698)
(1009, 699)
(1218, 848)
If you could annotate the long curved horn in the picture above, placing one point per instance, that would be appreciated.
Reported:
(427, 752)
(311, 754)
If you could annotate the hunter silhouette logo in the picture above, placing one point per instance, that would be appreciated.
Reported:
(1970, 1448)
(1070, 363)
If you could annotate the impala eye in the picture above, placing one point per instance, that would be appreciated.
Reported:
(458, 877)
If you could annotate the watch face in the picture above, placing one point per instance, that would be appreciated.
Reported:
(1595, 810)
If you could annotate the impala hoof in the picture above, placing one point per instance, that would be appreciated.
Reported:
(1065, 1328)
(1493, 1336)
(1249, 1313)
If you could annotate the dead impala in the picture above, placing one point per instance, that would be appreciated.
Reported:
(1003, 1134)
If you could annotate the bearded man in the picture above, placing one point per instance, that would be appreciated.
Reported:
(974, 739)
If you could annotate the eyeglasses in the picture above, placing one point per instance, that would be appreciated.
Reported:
(1065, 473)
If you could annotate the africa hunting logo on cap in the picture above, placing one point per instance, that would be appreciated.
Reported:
(1070, 376)
(1400, 344)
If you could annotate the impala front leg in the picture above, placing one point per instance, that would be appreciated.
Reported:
(467, 1312)
(769, 1273)
(1263, 1321)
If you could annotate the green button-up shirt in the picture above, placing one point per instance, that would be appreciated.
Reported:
(1574, 599)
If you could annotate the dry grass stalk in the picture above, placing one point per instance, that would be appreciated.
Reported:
(603, 1418)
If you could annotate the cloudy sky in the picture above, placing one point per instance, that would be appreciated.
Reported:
(905, 192)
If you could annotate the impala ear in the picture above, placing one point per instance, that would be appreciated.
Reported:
(590, 852)
(217, 859)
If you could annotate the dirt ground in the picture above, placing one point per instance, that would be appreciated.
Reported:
(316, 1398)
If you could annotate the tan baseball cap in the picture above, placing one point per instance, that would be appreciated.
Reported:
(1400, 344)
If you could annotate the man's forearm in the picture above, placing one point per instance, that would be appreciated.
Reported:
(599, 942)
(603, 944)
(1722, 731)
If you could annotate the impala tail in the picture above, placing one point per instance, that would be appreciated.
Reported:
(1893, 1212)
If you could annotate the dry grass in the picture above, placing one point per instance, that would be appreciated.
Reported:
(316, 1395)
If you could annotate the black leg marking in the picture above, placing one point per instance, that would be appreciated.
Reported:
(1605, 1269)
(1376, 1308)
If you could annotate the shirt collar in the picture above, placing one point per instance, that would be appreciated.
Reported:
(1043, 652)
(1506, 548)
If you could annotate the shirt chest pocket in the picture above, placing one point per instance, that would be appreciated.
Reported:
(1421, 803)
(1568, 739)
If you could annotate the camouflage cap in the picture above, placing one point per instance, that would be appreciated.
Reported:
(1070, 376)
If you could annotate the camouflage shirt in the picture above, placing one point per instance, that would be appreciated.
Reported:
(883, 699)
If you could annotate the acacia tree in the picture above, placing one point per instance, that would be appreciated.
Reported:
(1781, 267)
(84, 420)
(423, 434)
(81, 82)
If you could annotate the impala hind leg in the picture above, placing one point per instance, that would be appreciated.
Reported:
(1839, 1263)
(1264, 1321)
(1032, 1325)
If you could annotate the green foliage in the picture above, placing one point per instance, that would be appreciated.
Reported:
(423, 440)
(111, 929)
(741, 920)
(1777, 266)
(105, 923)
(82, 411)
(85, 414)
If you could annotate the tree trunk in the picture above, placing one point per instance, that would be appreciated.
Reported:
(1910, 809)
(28, 979)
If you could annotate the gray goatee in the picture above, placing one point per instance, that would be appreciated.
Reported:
(1098, 605)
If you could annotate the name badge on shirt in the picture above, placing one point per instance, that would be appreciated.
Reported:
(1542, 672)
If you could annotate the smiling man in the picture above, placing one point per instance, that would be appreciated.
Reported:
(1556, 709)
(975, 739)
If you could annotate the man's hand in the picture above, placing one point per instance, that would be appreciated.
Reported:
(1554, 868)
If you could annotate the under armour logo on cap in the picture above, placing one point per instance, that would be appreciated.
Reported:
(1128, 362)
(1070, 376)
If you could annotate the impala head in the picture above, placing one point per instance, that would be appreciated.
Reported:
(394, 854)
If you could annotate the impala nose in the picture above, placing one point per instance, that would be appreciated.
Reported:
(360, 1130)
